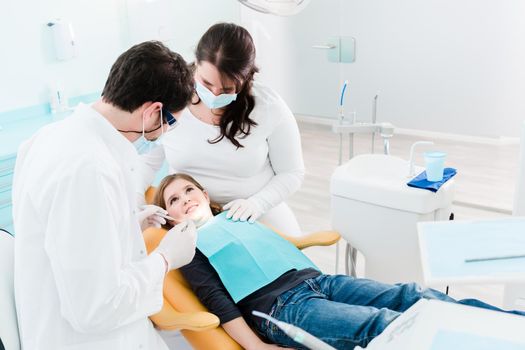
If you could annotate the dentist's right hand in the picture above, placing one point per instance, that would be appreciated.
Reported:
(178, 245)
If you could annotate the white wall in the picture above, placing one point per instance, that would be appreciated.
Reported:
(303, 77)
(178, 23)
(103, 29)
(27, 62)
(440, 65)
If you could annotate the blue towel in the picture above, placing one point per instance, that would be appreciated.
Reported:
(421, 181)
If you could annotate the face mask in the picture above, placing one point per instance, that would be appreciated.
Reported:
(212, 101)
(143, 145)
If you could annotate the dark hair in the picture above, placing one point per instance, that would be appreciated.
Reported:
(158, 199)
(231, 50)
(149, 72)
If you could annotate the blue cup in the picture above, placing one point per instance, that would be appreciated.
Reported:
(435, 164)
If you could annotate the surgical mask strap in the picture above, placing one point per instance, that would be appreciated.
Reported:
(143, 129)
(143, 132)
(161, 124)
(161, 127)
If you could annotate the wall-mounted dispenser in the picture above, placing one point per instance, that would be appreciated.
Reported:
(63, 39)
(339, 49)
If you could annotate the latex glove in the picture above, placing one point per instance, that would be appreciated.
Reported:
(178, 245)
(242, 210)
(151, 215)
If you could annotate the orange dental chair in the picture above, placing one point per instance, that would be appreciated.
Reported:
(182, 310)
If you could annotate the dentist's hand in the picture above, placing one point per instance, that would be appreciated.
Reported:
(178, 245)
(242, 210)
(150, 215)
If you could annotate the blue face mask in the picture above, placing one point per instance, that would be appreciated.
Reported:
(143, 145)
(212, 101)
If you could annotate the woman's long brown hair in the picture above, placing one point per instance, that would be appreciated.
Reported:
(231, 50)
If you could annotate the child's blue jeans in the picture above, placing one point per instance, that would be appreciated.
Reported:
(344, 311)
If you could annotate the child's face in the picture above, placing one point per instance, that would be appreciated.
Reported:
(184, 201)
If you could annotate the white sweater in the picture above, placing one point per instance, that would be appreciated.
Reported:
(268, 169)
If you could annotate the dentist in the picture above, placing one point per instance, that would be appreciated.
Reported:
(237, 137)
(83, 280)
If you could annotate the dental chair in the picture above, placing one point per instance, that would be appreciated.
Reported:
(8, 321)
(181, 306)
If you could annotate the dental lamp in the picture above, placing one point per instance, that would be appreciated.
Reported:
(276, 7)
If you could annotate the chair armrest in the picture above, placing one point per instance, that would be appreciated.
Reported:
(170, 319)
(320, 238)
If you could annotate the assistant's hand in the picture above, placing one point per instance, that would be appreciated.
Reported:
(149, 215)
(242, 210)
(178, 245)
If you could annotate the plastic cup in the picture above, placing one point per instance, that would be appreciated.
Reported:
(435, 164)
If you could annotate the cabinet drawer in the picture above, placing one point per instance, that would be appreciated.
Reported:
(6, 181)
(7, 165)
(5, 197)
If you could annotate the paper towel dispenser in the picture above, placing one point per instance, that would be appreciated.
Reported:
(63, 39)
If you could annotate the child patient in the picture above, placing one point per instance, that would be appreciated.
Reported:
(341, 310)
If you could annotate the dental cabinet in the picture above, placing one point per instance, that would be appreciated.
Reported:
(377, 213)
(7, 163)
(15, 127)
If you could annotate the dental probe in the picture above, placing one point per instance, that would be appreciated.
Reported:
(165, 216)
(498, 257)
(297, 334)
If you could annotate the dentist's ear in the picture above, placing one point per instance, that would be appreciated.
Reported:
(151, 110)
(206, 195)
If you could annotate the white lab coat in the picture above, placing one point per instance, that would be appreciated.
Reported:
(82, 277)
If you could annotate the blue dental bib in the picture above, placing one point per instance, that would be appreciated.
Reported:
(247, 256)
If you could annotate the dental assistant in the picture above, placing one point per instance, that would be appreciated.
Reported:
(82, 277)
(237, 137)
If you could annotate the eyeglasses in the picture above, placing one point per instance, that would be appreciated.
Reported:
(167, 117)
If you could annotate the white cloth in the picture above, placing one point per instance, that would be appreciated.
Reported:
(82, 277)
(267, 170)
